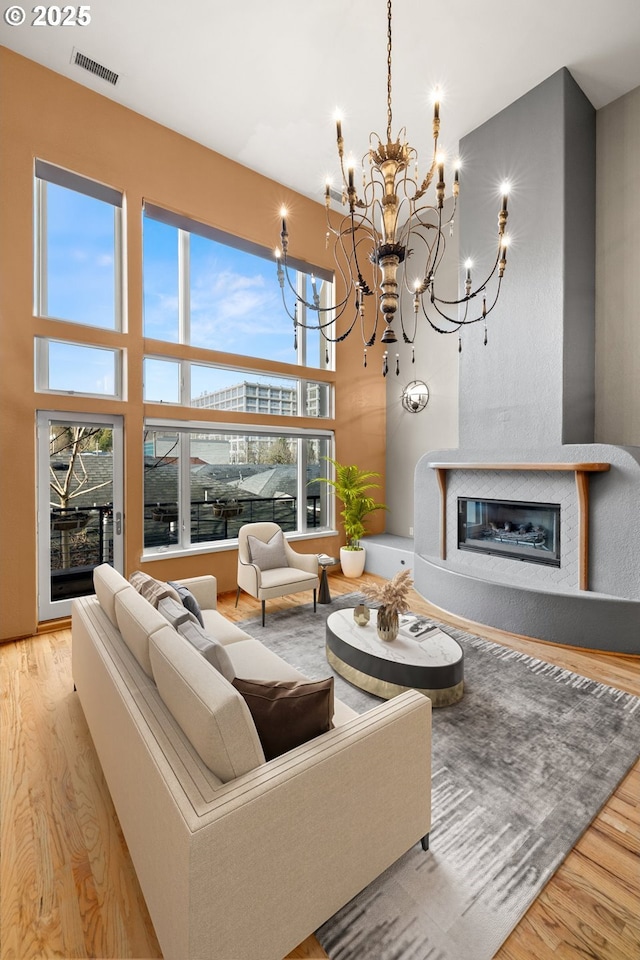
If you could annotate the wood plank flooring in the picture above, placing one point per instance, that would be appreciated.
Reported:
(68, 888)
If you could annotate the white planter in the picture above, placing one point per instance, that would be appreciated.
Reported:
(352, 561)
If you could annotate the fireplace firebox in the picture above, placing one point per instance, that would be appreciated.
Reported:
(510, 528)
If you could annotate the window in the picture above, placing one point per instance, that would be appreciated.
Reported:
(226, 388)
(208, 289)
(201, 486)
(78, 249)
(65, 367)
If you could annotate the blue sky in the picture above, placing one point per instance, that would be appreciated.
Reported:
(235, 299)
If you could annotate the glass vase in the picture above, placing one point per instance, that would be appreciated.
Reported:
(387, 624)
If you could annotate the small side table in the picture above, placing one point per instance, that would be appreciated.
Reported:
(325, 561)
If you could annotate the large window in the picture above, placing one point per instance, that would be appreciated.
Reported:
(208, 289)
(78, 249)
(201, 486)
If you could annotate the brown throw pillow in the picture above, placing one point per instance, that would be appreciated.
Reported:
(288, 712)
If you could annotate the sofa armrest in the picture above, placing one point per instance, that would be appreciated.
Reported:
(328, 817)
(204, 589)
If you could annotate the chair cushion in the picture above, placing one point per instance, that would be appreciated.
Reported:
(268, 555)
(188, 600)
(288, 712)
(212, 715)
(210, 648)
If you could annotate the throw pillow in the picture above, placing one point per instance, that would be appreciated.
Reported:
(288, 712)
(188, 600)
(212, 650)
(268, 555)
(152, 590)
(175, 612)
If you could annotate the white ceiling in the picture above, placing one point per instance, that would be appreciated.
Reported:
(260, 81)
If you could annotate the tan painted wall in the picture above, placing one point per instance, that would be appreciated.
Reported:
(45, 115)
(618, 271)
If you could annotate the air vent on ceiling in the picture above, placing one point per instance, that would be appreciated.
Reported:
(94, 67)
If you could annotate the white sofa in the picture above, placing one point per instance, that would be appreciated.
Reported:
(247, 861)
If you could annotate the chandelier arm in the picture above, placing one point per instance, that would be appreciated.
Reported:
(312, 306)
(474, 293)
(464, 322)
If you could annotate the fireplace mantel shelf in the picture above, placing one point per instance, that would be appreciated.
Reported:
(573, 467)
(581, 470)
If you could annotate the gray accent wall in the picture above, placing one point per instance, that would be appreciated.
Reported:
(533, 384)
(529, 395)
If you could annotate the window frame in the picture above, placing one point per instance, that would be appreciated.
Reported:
(41, 371)
(45, 173)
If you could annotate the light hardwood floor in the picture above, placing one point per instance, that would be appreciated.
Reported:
(67, 885)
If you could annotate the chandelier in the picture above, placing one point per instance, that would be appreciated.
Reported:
(389, 217)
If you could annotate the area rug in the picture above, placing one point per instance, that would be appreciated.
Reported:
(520, 766)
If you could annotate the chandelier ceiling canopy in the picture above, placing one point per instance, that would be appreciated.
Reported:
(396, 221)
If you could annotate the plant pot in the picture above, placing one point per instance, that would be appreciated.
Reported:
(70, 521)
(387, 624)
(352, 562)
(227, 510)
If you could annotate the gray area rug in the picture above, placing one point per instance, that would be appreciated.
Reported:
(521, 766)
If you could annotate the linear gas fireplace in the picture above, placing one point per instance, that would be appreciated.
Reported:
(512, 529)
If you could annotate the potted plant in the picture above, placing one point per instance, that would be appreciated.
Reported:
(353, 488)
(392, 597)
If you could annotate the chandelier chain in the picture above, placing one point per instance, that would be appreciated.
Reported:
(388, 71)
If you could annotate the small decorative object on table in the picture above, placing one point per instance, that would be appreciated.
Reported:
(392, 597)
(361, 615)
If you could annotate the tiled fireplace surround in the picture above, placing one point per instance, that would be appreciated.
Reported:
(526, 402)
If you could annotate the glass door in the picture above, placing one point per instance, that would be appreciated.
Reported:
(80, 505)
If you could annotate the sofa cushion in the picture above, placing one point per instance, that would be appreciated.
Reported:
(213, 715)
(107, 582)
(288, 712)
(188, 600)
(210, 648)
(268, 555)
(222, 629)
(137, 620)
(152, 590)
(173, 611)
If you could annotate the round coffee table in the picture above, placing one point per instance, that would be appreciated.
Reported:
(433, 664)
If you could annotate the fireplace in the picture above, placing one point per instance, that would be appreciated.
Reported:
(513, 529)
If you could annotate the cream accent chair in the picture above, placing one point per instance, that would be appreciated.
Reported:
(301, 574)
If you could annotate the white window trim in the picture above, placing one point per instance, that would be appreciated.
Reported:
(41, 354)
